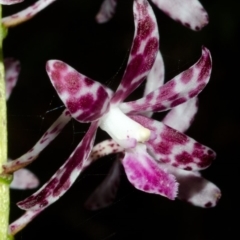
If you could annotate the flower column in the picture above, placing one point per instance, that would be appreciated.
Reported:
(4, 186)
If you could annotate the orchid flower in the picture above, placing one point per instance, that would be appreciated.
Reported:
(189, 13)
(22, 178)
(26, 14)
(141, 139)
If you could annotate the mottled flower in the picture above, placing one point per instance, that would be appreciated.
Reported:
(89, 101)
(26, 14)
(190, 13)
(142, 140)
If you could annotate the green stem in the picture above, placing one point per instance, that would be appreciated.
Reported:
(4, 186)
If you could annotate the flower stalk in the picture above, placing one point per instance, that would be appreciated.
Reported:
(4, 185)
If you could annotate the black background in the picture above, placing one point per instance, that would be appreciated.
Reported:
(66, 30)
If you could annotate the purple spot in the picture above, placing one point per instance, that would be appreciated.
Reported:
(208, 204)
(88, 82)
(101, 96)
(60, 65)
(163, 147)
(172, 136)
(178, 101)
(67, 113)
(29, 15)
(43, 140)
(55, 129)
(166, 91)
(206, 160)
(186, 25)
(198, 146)
(86, 101)
(165, 160)
(145, 27)
(186, 76)
(149, 97)
(11, 79)
(175, 165)
(55, 76)
(188, 168)
(177, 20)
(184, 158)
(174, 97)
(146, 188)
(13, 227)
(72, 81)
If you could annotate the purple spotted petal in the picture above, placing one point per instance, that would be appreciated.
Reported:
(143, 51)
(106, 11)
(43, 142)
(180, 89)
(144, 173)
(12, 69)
(63, 179)
(175, 148)
(20, 223)
(182, 116)
(10, 2)
(24, 179)
(25, 14)
(189, 12)
(196, 190)
(86, 99)
(105, 193)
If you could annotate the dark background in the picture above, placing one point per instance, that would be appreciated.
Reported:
(66, 30)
